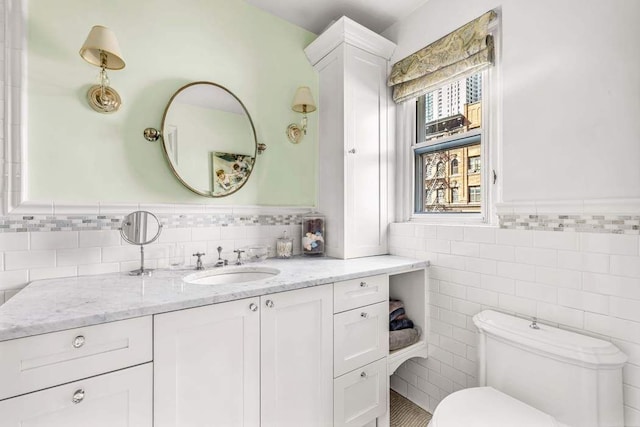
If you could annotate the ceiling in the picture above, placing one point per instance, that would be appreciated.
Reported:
(316, 15)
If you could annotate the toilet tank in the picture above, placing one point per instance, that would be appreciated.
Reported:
(573, 377)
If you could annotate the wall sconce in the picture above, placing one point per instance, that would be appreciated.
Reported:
(102, 50)
(302, 103)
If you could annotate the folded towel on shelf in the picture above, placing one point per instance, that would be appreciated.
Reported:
(403, 338)
(397, 314)
(395, 304)
(397, 325)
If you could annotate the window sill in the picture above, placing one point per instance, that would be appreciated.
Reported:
(450, 219)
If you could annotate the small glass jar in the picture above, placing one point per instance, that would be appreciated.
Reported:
(313, 234)
(284, 247)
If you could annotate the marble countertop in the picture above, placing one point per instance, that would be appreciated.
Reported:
(57, 304)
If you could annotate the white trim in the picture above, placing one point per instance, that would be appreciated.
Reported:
(345, 30)
(14, 168)
(13, 157)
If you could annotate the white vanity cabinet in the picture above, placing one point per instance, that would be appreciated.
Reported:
(117, 399)
(104, 371)
(361, 346)
(207, 365)
(261, 361)
(353, 192)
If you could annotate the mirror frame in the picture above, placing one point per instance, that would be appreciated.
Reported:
(166, 153)
(126, 238)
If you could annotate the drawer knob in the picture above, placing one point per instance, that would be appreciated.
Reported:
(363, 284)
(363, 374)
(253, 307)
(269, 303)
(364, 315)
(78, 396)
(78, 341)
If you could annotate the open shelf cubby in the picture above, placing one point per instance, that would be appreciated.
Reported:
(411, 288)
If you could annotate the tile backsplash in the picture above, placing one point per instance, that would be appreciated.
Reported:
(34, 247)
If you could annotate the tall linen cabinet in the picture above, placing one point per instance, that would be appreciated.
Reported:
(354, 147)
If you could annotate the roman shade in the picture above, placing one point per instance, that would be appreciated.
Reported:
(463, 51)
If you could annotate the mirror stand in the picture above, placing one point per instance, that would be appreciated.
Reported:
(141, 271)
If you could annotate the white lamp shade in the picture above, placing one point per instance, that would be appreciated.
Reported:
(303, 98)
(102, 39)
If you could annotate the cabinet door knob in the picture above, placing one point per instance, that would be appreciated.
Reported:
(269, 303)
(363, 284)
(253, 307)
(78, 396)
(78, 341)
(363, 374)
(352, 151)
(364, 315)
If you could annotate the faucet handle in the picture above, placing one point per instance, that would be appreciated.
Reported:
(239, 252)
(199, 254)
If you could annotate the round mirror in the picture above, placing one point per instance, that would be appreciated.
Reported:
(209, 139)
(140, 228)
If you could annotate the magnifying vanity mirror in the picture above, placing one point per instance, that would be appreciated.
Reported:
(208, 138)
(140, 228)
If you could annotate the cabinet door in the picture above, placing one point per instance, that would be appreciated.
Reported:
(297, 354)
(207, 366)
(119, 399)
(366, 153)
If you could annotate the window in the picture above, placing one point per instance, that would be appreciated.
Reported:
(454, 167)
(455, 195)
(449, 121)
(474, 164)
(474, 194)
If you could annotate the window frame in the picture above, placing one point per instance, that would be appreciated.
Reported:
(491, 142)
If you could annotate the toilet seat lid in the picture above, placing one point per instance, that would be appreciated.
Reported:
(488, 407)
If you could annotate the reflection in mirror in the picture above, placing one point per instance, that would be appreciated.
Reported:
(209, 139)
(140, 228)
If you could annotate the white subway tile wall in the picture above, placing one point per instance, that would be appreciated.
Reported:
(582, 281)
(28, 256)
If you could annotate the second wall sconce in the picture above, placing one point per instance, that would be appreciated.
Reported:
(302, 103)
(102, 50)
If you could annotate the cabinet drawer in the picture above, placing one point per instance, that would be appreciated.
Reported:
(41, 361)
(360, 336)
(360, 396)
(358, 292)
(117, 399)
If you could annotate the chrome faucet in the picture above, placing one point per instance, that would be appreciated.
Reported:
(239, 252)
(199, 265)
(220, 262)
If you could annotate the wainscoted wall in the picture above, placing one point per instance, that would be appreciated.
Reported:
(583, 281)
(91, 244)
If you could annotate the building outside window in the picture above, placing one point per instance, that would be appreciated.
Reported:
(450, 131)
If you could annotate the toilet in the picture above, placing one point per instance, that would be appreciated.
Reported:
(534, 375)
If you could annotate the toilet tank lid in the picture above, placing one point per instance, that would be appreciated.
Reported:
(568, 346)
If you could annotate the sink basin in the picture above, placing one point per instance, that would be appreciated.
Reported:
(229, 276)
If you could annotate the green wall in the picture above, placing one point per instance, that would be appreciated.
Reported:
(78, 155)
